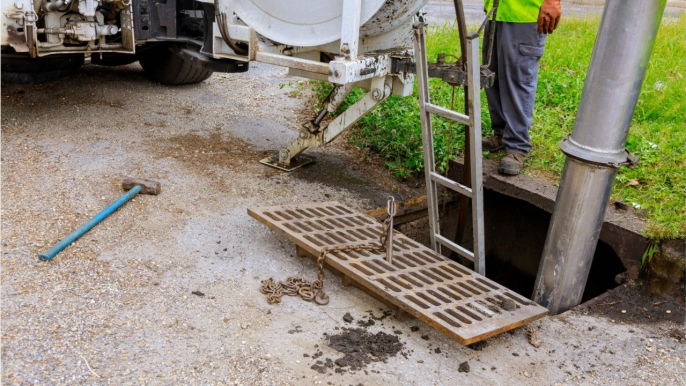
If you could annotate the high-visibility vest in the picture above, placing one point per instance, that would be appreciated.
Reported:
(516, 11)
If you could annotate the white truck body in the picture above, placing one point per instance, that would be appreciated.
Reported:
(342, 41)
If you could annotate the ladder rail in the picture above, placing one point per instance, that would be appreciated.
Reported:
(427, 137)
(473, 121)
(474, 96)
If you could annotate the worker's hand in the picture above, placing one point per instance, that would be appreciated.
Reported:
(549, 16)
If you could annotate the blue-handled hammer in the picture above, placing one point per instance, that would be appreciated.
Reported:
(133, 185)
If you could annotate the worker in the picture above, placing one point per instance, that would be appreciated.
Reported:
(521, 30)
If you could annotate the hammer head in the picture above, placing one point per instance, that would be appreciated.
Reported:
(147, 186)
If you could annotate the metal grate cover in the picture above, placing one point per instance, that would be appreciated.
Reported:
(445, 295)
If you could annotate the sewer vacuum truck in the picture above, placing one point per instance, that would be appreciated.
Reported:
(350, 43)
(184, 41)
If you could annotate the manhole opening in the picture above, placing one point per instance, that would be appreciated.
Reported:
(515, 233)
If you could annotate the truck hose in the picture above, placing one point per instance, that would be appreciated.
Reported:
(224, 31)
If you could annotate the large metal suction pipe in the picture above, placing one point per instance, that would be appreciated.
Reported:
(596, 148)
(50, 6)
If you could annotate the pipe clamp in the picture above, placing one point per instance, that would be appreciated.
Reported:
(614, 159)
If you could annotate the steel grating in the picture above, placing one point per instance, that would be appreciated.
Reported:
(447, 296)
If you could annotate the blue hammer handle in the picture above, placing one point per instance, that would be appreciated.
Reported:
(52, 252)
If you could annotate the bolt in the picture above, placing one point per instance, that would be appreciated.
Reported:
(284, 156)
(345, 49)
(19, 5)
(337, 74)
(304, 134)
(376, 94)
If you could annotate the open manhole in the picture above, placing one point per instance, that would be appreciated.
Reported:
(515, 234)
(445, 295)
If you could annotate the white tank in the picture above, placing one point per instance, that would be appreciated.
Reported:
(309, 23)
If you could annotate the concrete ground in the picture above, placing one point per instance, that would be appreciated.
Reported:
(117, 307)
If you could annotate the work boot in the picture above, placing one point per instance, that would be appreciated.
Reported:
(493, 143)
(512, 164)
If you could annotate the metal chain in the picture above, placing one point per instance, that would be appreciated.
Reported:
(314, 290)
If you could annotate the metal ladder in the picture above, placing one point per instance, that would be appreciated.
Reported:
(473, 121)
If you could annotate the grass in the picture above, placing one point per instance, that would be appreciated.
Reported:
(657, 185)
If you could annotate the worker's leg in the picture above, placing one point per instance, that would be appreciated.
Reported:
(493, 93)
(520, 47)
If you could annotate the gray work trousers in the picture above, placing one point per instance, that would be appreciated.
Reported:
(517, 48)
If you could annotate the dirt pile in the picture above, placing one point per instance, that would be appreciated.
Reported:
(359, 346)
(362, 347)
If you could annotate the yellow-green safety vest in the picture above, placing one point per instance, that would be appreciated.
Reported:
(516, 11)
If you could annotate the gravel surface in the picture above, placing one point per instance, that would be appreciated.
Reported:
(165, 291)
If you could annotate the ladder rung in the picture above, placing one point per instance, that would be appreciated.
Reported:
(454, 247)
(447, 114)
(456, 186)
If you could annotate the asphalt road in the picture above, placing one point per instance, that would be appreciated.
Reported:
(440, 12)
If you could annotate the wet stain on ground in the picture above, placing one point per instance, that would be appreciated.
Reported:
(629, 303)
(213, 149)
(209, 155)
(333, 172)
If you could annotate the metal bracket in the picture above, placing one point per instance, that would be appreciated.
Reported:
(613, 159)
(17, 39)
(295, 163)
(451, 73)
(372, 65)
(166, 17)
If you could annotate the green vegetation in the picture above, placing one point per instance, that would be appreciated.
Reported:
(657, 184)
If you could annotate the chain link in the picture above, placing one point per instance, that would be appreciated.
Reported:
(314, 290)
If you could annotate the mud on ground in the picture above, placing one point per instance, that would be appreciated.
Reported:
(634, 303)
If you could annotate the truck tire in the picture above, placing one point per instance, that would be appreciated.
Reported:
(17, 68)
(165, 65)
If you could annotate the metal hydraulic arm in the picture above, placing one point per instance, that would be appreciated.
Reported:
(311, 135)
